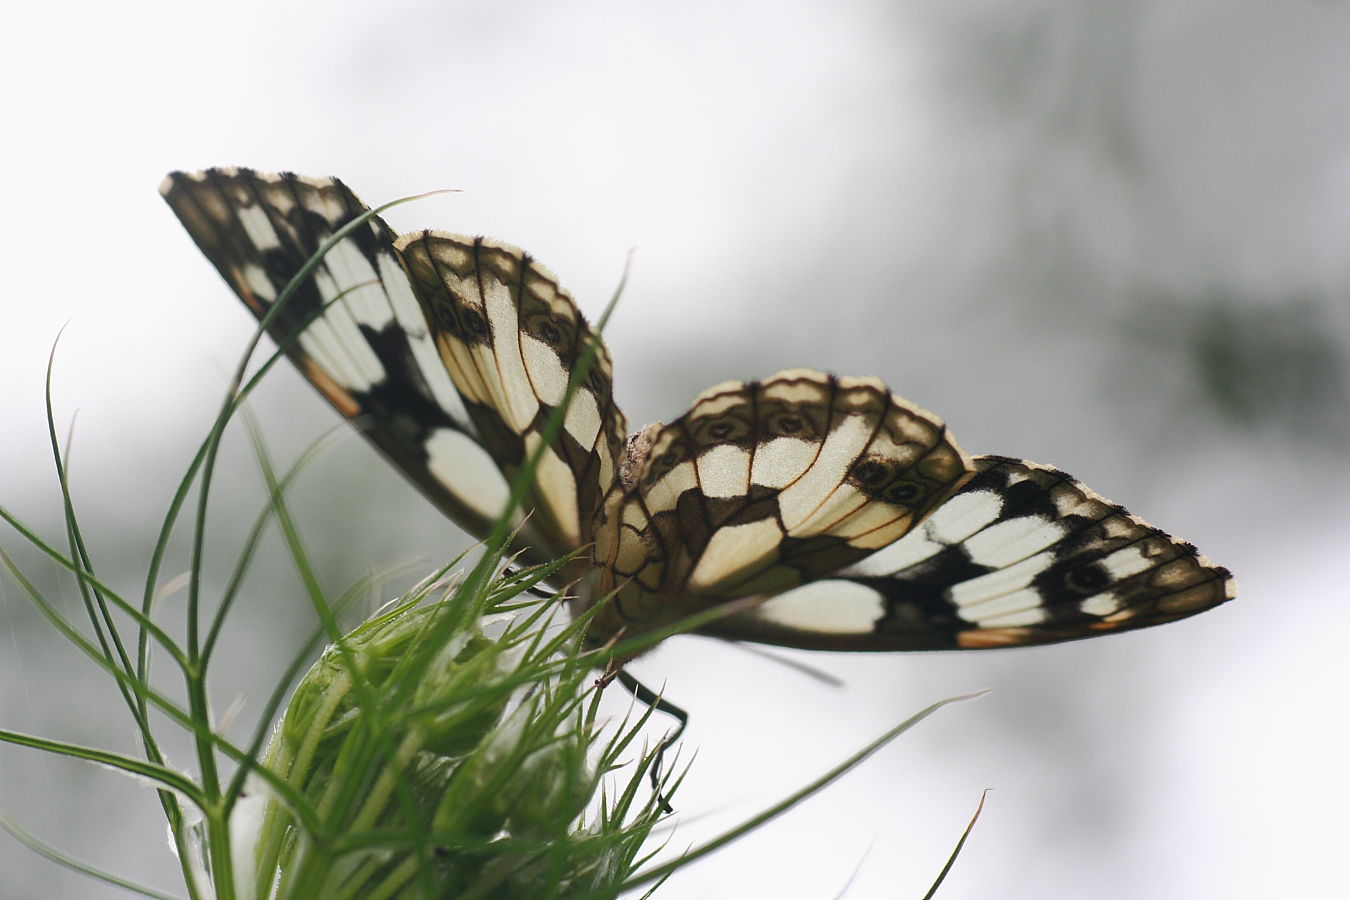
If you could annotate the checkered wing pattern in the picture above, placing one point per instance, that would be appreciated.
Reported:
(362, 332)
(511, 338)
(1023, 554)
(765, 485)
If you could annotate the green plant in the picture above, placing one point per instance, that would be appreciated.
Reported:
(448, 747)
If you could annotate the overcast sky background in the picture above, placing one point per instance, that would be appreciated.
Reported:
(1111, 237)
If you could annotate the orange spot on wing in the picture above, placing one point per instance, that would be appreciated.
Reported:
(334, 392)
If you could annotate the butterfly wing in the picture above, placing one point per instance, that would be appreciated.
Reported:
(1023, 554)
(364, 339)
(511, 339)
(762, 486)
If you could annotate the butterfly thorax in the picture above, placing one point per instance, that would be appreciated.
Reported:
(635, 453)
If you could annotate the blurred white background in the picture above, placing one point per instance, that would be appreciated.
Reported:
(1112, 237)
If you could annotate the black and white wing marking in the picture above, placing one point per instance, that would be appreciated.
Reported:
(1023, 554)
(763, 486)
(511, 339)
(363, 338)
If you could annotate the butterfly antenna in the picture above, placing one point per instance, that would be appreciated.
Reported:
(804, 668)
(857, 868)
(644, 694)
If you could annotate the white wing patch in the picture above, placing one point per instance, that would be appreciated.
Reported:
(258, 228)
(460, 462)
(351, 273)
(1003, 544)
(824, 607)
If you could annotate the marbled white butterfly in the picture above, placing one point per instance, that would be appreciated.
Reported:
(841, 515)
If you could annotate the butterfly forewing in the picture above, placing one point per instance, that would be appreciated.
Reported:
(356, 328)
(1023, 554)
(762, 486)
(511, 338)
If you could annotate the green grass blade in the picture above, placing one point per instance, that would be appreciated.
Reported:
(84, 575)
(164, 776)
(792, 800)
(956, 851)
(95, 604)
(66, 861)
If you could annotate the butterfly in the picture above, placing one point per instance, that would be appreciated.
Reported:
(818, 511)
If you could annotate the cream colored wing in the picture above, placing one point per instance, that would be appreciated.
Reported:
(510, 338)
(765, 485)
(358, 329)
(1023, 554)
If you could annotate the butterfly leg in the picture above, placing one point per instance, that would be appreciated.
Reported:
(644, 694)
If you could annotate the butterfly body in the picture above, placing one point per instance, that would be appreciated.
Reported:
(819, 511)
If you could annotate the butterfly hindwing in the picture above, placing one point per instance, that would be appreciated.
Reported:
(511, 338)
(765, 485)
(1023, 554)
